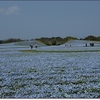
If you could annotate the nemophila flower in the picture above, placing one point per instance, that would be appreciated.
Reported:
(49, 74)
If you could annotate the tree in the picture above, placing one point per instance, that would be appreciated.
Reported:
(90, 38)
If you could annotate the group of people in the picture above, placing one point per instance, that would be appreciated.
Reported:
(91, 44)
(67, 45)
(31, 46)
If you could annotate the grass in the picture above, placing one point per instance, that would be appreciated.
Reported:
(1, 79)
(95, 90)
(78, 82)
(31, 70)
(58, 51)
(63, 83)
(8, 94)
(17, 86)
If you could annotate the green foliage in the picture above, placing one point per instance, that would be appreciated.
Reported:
(93, 38)
(13, 40)
(97, 90)
(1, 41)
(10, 40)
(58, 51)
(55, 40)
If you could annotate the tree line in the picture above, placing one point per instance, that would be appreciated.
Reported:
(93, 38)
(59, 40)
(10, 40)
(53, 40)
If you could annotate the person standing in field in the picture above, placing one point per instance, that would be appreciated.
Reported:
(86, 44)
(31, 46)
(36, 46)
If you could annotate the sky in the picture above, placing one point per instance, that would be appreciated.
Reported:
(36, 19)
